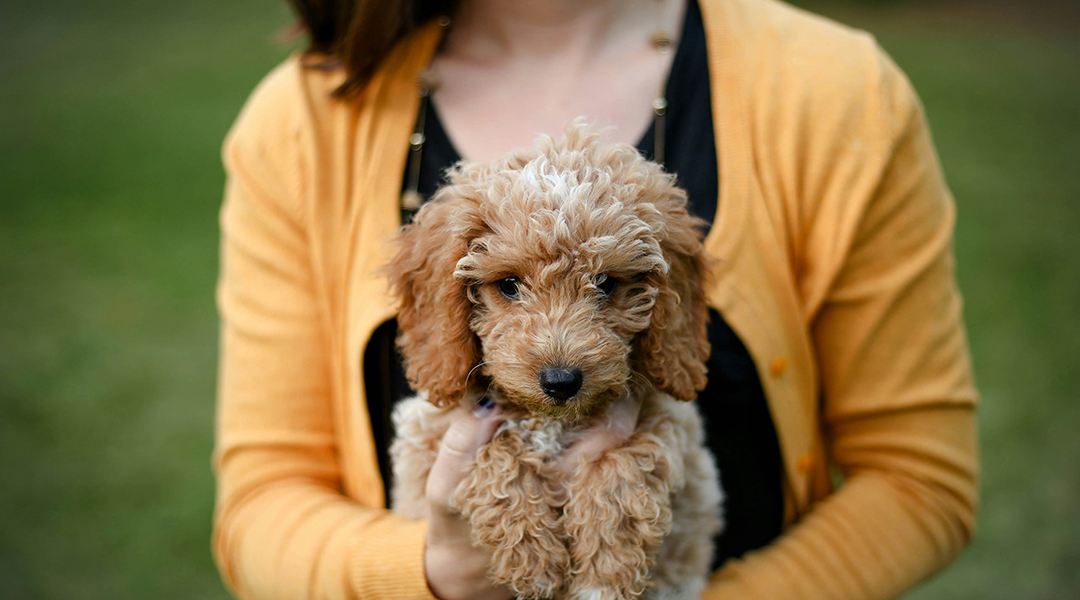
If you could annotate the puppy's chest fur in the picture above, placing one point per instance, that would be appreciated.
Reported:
(542, 435)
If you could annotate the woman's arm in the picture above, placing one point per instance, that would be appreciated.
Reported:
(282, 527)
(898, 397)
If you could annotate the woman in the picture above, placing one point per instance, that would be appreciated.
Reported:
(837, 333)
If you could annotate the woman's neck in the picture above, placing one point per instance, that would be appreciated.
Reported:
(516, 29)
(513, 69)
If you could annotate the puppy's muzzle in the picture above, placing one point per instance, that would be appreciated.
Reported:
(561, 383)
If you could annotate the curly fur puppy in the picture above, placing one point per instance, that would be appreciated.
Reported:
(558, 279)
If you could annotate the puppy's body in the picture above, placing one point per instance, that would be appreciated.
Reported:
(558, 280)
(668, 485)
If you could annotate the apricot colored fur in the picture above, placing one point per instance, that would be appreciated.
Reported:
(639, 519)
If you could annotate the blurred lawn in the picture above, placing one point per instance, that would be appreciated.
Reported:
(111, 116)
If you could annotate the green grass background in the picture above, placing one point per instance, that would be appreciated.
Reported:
(111, 117)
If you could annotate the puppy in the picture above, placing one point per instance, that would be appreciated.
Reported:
(557, 280)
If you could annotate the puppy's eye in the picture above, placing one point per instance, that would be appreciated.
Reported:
(605, 284)
(509, 288)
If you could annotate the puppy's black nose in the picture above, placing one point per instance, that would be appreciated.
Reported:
(561, 383)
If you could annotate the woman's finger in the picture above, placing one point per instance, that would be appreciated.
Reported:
(616, 427)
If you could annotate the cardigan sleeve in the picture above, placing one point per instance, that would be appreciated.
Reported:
(898, 400)
(282, 526)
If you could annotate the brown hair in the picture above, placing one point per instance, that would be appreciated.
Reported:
(359, 34)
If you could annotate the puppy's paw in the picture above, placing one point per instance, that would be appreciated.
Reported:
(592, 593)
(530, 568)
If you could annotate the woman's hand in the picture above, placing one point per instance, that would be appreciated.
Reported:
(455, 568)
(615, 428)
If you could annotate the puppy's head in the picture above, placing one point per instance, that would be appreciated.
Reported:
(556, 276)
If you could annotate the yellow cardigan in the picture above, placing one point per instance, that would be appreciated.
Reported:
(834, 267)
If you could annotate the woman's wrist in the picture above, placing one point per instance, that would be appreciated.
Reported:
(455, 572)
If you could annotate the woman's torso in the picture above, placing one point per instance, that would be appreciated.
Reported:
(340, 165)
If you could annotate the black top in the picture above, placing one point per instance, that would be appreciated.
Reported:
(739, 427)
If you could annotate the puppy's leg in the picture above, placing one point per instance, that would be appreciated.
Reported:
(619, 511)
(682, 565)
(514, 505)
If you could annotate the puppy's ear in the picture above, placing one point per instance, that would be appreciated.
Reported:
(673, 350)
(438, 347)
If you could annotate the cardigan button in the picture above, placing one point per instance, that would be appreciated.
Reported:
(805, 462)
(777, 366)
